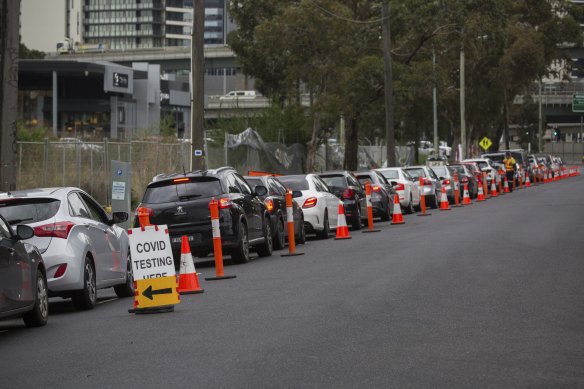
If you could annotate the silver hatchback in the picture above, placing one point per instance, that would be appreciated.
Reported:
(83, 249)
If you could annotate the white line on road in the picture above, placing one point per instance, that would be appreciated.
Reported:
(108, 300)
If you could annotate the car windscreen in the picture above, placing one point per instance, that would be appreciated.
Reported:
(482, 164)
(253, 182)
(337, 180)
(441, 171)
(416, 172)
(364, 178)
(459, 169)
(517, 156)
(390, 174)
(496, 157)
(29, 210)
(175, 191)
(294, 182)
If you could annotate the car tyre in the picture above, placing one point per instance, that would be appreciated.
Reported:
(280, 237)
(302, 235)
(127, 288)
(241, 253)
(266, 248)
(39, 315)
(87, 297)
(324, 234)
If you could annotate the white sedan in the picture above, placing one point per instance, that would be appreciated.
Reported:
(405, 186)
(319, 205)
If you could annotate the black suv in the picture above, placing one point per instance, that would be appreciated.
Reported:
(181, 201)
(346, 187)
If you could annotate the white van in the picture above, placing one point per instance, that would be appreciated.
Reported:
(239, 94)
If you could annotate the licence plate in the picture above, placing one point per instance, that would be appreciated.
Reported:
(196, 238)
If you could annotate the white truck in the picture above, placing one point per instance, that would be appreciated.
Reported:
(67, 46)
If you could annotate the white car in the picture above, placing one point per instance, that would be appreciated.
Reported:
(405, 186)
(487, 165)
(319, 205)
(83, 249)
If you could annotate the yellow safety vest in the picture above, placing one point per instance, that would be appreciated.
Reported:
(509, 164)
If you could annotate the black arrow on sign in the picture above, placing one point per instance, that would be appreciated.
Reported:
(148, 293)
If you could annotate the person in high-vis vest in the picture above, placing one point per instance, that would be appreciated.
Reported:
(510, 166)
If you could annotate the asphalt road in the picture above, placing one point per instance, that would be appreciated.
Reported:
(490, 295)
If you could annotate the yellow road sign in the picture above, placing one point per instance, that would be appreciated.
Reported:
(156, 292)
(485, 143)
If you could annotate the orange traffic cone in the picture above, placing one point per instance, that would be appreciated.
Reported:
(506, 186)
(494, 189)
(397, 213)
(466, 196)
(527, 181)
(342, 229)
(444, 205)
(188, 281)
(481, 195)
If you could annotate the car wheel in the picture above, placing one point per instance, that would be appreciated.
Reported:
(266, 248)
(127, 288)
(302, 233)
(39, 314)
(357, 218)
(280, 237)
(324, 234)
(241, 253)
(87, 297)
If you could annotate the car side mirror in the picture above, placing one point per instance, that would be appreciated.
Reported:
(24, 232)
(260, 190)
(119, 217)
(441, 178)
(394, 183)
(296, 194)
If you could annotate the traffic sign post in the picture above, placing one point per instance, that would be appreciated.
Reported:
(153, 270)
(485, 143)
(578, 102)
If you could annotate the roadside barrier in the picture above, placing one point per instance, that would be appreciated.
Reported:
(217, 249)
(456, 191)
(369, 209)
(444, 204)
(188, 281)
(143, 217)
(485, 189)
(290, 221)
(481, 195)
(506, 186)
(527, 181)
(466, 196)
(494, 188)
(397, 212)
(342, 229)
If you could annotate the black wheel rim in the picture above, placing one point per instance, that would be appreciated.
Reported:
(244, 242)
(90, 283)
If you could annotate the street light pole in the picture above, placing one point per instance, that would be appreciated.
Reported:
(462, 113)
(540, 122)
(434, 104)
(388, 86)
(197, 159)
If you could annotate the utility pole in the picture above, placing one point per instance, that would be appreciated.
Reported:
(9, 42)
(198, 88)
(388, 86)
(462, 104)
(540, 122)
(434, 104)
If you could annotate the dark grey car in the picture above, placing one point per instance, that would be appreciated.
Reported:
(23, 283)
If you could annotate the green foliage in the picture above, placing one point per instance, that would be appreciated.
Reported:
(31, 133)
(167, 126)
(26, 53)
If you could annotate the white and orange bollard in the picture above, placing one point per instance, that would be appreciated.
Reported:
(422, 199)
(456, 192)
(217, 248)
(290, 222)
(369, 209)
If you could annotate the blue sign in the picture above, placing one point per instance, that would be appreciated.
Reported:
(119, 172)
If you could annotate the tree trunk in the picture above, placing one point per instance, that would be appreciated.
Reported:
(312, 146)
(351, 160)
(506, 121)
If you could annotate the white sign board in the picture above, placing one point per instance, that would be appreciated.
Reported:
(151, 252)
(118, 190)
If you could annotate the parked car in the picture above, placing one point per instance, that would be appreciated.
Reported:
(447, 179)
(319, 205)
(486, 165)
(275, 201)
(465, 176)
(181, 201)
(405, 186)
(346, 187)
(83, 249)
(432, 187)
(23, 283)
(382, 193)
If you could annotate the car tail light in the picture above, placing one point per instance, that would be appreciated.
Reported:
(375, 188)
(348, 194)
(60, 270)
(225, 202)
(427, 181)
(269, 204)
(54, 230)
(399, 187)
(181, 180)
(446, 182)
(309, 202)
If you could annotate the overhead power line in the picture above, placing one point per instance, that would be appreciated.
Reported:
(337, 16)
